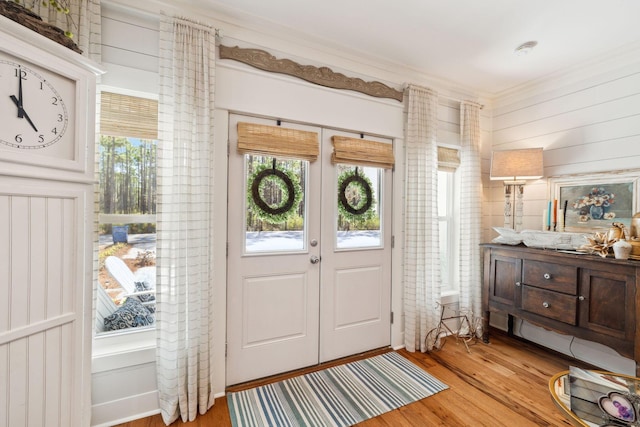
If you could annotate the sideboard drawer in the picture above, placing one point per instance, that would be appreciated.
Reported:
(550, 276)
(552, 305)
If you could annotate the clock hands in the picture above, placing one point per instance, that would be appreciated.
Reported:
(20, 109)
(22, 113)
(18, 101)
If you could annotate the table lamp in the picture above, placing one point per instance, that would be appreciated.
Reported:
(514, 167)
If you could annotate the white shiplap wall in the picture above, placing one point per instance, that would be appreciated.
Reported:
(130, 51)
(586, 124)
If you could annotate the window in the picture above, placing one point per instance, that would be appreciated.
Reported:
(277, 232)
(127, 225)
(448, 161)
(364, 229)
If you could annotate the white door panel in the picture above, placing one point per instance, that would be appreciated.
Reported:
(357, 284)
(276, 325)
(269, 323)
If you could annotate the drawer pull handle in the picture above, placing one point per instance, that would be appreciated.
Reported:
(545, 304)
(518, 283)
(547, 276)
(581, 297)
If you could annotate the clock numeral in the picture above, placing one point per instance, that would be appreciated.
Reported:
(18, 138)
(54, 101)
(60, 118)
(40, 139)
(21, 73)
(54, 131)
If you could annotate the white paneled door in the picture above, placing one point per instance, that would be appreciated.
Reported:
(312, 289)
(355, 295)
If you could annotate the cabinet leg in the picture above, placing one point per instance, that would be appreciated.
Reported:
(510, 325)
(485, 327)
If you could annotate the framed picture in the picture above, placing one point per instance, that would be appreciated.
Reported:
(595, 201)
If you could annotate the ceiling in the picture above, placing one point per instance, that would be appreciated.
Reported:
(466, 42)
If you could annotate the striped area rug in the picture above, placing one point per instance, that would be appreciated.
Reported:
(339, 396)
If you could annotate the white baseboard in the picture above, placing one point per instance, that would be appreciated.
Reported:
(124, 410)
(140, 406)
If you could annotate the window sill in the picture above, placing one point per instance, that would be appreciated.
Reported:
(448, 297)
(123, 349)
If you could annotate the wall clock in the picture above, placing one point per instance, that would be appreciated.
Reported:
(47, 105)
(33, 109)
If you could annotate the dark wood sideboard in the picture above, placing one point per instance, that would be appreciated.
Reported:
(582, 295)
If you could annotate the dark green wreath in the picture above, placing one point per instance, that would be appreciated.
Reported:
(286, 181)
(362, 210)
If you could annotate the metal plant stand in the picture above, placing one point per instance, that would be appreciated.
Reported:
(465, 331)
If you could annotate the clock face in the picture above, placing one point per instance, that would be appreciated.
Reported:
(33, 110)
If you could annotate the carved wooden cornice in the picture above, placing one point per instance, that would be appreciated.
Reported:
(322, 76)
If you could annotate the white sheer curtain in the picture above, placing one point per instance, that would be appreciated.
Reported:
(422, 285)
(470, 210)
(184, 318)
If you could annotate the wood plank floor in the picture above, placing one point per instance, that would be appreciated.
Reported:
(504, 383)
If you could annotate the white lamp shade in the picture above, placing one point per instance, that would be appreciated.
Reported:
(517, 165)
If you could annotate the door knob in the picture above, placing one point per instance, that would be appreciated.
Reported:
(314, 259)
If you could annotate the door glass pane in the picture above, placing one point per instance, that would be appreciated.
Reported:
(359, 205)
(275, 193)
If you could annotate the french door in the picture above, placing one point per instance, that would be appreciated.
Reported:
(317, 286)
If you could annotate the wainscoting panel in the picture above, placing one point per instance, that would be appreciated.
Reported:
(41, 303)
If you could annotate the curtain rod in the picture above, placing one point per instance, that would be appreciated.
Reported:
(435, 92)
(481, 106)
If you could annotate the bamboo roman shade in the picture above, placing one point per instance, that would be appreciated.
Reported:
(124, 115)
(362, 152)
(448, 159)
(276, 141)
